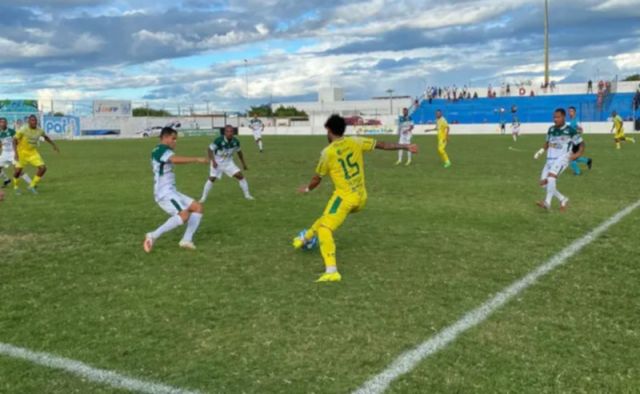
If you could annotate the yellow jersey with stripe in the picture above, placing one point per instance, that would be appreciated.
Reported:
(28, 139)
(343, 161)
(618, 124)
(442, 126)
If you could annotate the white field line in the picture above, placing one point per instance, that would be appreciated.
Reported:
(88, 372)
(410, 359)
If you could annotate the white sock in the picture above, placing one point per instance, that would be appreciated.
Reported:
(559, 195)
(207, 189)
(244, 185)
(260, 144)
(408, 156)
(171, 224)
(551, 190)
(26, 178)
(331, 270)
(192, 226)
(400, 155)
(515, 138)
(3, 175)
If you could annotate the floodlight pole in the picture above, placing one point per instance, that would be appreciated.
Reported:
(546, 43)
(390, 91)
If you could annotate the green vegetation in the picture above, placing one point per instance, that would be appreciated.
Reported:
(143, 111)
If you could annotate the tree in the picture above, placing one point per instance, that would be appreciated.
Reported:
(634, 77)
(143, 111)
(262, 111)
(289, 112)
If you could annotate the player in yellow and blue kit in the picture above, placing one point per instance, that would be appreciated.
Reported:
(25, 144)
(618, 128)
(343, 162)
(442, 128)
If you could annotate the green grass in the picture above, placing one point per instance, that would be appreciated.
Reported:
(242, 313)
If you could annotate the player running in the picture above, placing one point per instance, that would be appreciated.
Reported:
(7, 153)
(515, 123)
(442, 127)
(257, 127)
(25, 144)
(561, 138)
(343, 161)
(405, 130)
(221, 153)
(182, 209)
(618, 127)
(575, 164)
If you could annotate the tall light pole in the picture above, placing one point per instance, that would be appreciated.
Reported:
(546, 43)
(390, 91)
(246, 77)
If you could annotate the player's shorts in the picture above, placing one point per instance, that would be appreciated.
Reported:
(257, 135)
(339, 207)
(515, 129)
(405, 138)
(442, 144)
(228, 168)
(556, 166)
(7, 159)
(175, 202)
(619, 136)
(29, 159)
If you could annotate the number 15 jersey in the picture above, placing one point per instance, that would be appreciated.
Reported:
(343, 161)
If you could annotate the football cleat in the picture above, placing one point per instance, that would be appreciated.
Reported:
(187, 245)
(329, 277)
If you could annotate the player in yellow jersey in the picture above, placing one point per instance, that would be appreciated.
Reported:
(618, 128)
(25, 145)
(343, 162)
(442, 127)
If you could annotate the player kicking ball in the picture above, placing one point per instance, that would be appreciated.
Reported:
(561, 138)
(343, 162)
(25, 144)
(618, 128)
(221, 153)
(182, 209)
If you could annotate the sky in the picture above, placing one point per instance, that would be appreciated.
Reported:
(235, 53)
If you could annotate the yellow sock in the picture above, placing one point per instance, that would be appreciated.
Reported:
(35, 181)
(15, 183)
(617, 145)
(327, 248)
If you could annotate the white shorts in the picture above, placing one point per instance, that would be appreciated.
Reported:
(257, 134)
(7, 160)
(175, 202)
(556, 166)
(405, 138)
(228, 168)
(515, 128)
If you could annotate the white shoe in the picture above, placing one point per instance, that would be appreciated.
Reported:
(564, 204)
(249, 198)
(148, 243)
(187, 245)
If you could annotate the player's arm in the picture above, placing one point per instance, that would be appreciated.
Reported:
(314, 183)
(241, 157)
(381, 145)
(544, 148)
(15, 146)
(188, 160)
(50, 142)
(212, 158)
(579, 153)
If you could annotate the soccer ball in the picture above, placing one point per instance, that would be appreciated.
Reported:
(311, 244)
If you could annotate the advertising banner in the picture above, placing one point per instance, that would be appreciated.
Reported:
(61, 125)
(112, 108)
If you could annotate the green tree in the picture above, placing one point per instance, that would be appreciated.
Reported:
(143, 111)
(262, 111)
(289, 112)
(634, 77)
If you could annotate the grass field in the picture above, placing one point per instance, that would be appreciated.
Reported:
(242, 313)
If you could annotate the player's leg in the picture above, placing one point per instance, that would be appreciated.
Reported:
(178, 216)
(36, 161)
(334, 215)
(17, 173)
(407, 140)
(442, 146)
(258, 138)
(195, 217)
(208, 185)
(400, 152)
(575, 168)
(234, 171)
(3, 174)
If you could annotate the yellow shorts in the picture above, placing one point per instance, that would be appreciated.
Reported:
(29, 158)
(339, 207)
(619, 136)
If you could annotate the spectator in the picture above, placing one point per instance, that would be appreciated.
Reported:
(532, 93)
(475, 95)
(636, 100)
(590, 87)
(508, 89)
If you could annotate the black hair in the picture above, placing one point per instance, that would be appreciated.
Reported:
(3, 118)
(573, 108)
(167, 131)
(336, 124)
(32, 116)
(561, 111)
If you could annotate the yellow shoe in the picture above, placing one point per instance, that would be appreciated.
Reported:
(398, 162)
(298, 243)
(330, 277)
(408, 163)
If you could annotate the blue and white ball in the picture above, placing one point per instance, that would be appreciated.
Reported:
(311, 244)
